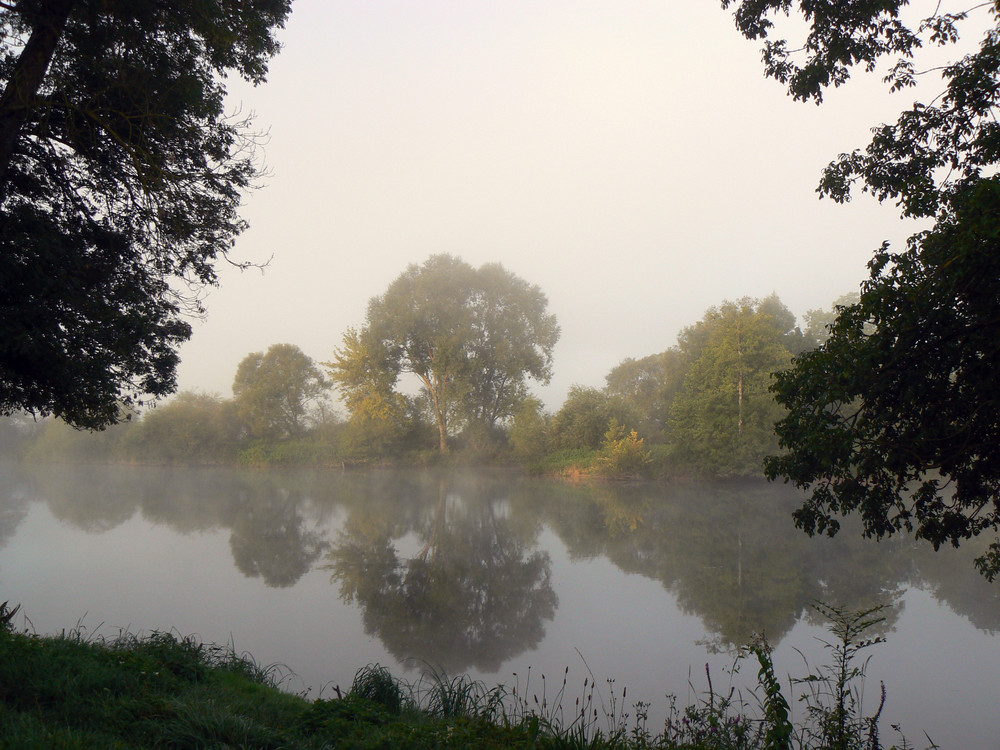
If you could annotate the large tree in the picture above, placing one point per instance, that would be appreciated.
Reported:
(897, 415)
(275, 390)
(473, 337)
(722, 420)
(120, 181)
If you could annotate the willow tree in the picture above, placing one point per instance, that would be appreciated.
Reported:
(472, 337)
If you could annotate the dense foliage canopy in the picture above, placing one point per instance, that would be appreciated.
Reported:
(274, 390)
(473, 337)
(897, 415)
(722, 419)
(120, 181)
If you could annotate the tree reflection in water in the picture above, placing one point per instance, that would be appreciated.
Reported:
(270, 538)
(728, 552)
(448, 570)
(471, 594)
(265, 512)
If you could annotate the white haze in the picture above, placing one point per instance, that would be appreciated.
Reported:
(628, 157)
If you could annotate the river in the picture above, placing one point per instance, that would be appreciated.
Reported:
(503, 577)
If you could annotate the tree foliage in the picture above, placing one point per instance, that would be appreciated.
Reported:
(366, 382)
(274, 390)
(472, 338)
(120, 182)
(722, 421)
(529, 430)
(649, 385)
(623, 452)
(585, 417)
(896, 416)
(190, 428)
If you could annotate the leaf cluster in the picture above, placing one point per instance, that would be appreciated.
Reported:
(895, 416)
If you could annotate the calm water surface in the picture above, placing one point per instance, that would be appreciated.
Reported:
(489, 574)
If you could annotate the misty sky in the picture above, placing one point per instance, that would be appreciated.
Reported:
(628, 157)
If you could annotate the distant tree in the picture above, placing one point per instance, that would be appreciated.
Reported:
(120, 182)
(274, 390)
(722, 421)
(818, 322)
(191, 428)
(649, 385)
(528, 431)
(16, 433)
(511, 340)
(784, 323)
(53, 440)
(472, 337)
(585, 416)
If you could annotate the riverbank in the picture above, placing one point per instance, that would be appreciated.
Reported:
(163, 691)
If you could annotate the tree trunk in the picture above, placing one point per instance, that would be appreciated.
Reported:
(434, 389)
(29, 72)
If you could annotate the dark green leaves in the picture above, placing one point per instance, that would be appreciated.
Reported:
(122, 184)
(897, 415)
(841, 35)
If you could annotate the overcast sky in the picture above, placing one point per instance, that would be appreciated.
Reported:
(627, 156)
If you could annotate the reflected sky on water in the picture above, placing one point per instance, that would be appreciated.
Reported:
(490, 573)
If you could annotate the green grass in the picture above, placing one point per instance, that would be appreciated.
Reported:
(162, 691)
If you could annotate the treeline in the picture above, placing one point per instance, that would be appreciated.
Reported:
(440, 371)
(700, 407)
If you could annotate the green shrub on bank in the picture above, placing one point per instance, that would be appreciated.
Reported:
(623, 452)
(286, 453)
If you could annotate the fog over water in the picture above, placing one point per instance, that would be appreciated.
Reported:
(628, 157)
(490, 573)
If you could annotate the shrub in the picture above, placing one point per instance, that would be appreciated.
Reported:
(621, 453)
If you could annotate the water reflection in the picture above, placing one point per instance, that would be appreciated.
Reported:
(945, 574)
(469, 592)
(14, 498)
(726, 550)
(274, 528)
(271, 539)
(449, 567)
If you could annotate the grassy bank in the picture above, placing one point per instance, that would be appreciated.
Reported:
(161, 691)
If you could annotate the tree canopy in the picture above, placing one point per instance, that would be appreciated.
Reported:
(120, 181)
(473, 337)
(722, 420)
(650, 385)
(896, 416)
(274, 390)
